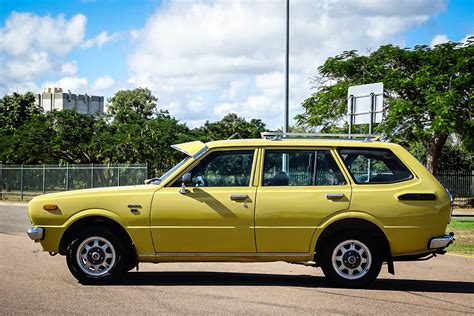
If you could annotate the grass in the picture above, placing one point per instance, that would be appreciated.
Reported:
(464, 234)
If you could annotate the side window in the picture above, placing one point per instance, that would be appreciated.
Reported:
(370, 165)
(223, 169)
(300, 168)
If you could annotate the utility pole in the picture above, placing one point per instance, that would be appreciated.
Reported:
(287, 53)
(286, 123)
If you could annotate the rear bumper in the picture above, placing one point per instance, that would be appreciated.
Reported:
(441, 242)
(35, 233)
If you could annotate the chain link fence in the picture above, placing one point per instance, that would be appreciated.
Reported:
(22, 182)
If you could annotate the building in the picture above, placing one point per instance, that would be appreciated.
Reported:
(56, 99)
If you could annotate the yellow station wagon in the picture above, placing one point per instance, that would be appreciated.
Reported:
(344, 204)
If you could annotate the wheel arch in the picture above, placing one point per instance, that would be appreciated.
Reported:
(356, 224)
(100, 220)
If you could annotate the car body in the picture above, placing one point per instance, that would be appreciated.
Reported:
(273, 199)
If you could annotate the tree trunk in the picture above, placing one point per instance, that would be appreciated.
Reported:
(433, 151)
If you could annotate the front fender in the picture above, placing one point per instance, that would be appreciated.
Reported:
(53, 234)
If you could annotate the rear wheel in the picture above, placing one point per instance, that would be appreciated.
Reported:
(96, 255)
(351, 259)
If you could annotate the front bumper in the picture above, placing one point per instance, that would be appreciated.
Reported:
(35, 233)
(441, 242)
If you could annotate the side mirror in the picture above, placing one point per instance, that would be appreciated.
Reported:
(185, 180)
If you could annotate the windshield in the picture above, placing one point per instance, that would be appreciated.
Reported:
(169, 172)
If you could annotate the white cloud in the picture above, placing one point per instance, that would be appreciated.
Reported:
(73, 83)
(100, 39)
(230, 53)
(25, 32)
(69, 68)
(439, 39)
(33, 46)
(464, 40)
(103, 83)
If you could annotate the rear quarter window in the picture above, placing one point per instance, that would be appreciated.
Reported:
(374, 165)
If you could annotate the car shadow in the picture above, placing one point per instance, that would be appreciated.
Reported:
(177, 278)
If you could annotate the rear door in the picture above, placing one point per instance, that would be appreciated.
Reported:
(298, 189)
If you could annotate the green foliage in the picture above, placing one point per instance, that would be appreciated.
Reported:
(230, 125)
(428, 92)
(15, 110)
(131, 105)
(133, 131)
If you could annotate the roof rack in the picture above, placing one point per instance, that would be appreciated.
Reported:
(283, 135)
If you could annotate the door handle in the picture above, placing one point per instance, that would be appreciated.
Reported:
(238, 197)
(334, 196)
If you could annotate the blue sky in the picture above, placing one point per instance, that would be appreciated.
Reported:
(204, 59)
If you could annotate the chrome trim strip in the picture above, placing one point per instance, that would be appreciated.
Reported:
(201, 152)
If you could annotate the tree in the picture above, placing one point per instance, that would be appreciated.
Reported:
(229, 125)
(129, 105)
(15, 110)
(428, 93)
(72, 135)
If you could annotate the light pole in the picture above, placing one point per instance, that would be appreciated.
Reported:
(285, 157)
(287, 49)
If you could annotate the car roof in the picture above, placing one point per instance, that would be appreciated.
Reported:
(260, 142)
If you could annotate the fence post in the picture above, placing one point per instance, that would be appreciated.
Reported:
(118, 174)
(21, 183)
(67, 176)
(44, 173)
(92, 175)
(1, 180)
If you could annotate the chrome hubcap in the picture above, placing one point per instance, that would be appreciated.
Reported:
(95, 256)
(351, 259)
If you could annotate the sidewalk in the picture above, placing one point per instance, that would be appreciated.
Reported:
(463, 212)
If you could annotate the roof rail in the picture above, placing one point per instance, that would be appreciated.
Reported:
(283, 135)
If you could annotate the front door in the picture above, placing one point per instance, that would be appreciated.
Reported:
(216, 215)
(299, 189)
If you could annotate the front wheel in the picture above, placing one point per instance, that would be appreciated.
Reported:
(96, 256)
(351, 259)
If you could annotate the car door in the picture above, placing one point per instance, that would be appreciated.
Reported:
(299, 188)
(216, 215)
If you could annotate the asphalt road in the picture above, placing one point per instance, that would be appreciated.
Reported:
(33, 282)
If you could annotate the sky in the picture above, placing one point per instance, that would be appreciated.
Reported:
(204, 59)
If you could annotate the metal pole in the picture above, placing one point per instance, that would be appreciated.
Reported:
(351, 113)
(67, 176)
(21, 183)
(92, 175)
(372, 109)
(44, 173)
(287, 50)
(371, 122)
(118, 174)
(286, 111)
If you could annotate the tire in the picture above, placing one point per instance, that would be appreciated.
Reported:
(96, 256)
(351, 259)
